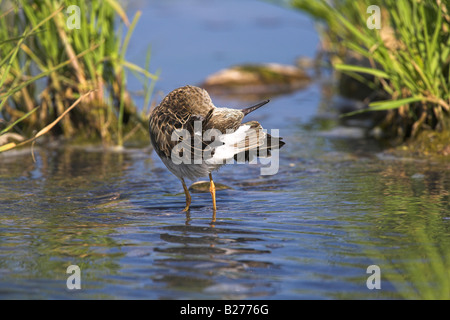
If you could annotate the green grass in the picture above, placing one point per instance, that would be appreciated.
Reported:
(45, 67)
(408, 58)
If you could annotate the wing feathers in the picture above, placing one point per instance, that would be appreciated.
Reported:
(249, 141)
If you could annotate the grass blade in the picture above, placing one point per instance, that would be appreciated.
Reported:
(384, 105)
(352, 68)
(18, 120)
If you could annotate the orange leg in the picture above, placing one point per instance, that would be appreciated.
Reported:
(212, 189)
(188, 196)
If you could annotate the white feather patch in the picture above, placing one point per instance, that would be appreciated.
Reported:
(229, 149)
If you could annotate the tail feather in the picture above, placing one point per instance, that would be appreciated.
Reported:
(246, 143)
(263, 148)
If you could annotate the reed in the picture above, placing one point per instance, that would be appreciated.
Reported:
(408, 58)
(46, 66)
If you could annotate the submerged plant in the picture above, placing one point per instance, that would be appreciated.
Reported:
(423, 270)
(407, 57)
(52, 55)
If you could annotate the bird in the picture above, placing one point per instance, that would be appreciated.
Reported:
(193, 137)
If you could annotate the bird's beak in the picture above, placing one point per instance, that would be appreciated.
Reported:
(253, 108)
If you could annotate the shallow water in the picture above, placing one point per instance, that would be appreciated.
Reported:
(310, 231)
(337, 205)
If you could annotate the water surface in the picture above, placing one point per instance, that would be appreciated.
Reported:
(337, 204)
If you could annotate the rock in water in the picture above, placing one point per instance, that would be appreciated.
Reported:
(256, 80)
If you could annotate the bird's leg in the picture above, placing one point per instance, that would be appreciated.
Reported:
(212, 189)
(188, 196)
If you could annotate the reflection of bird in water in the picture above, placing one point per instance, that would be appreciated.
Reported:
(193, 137)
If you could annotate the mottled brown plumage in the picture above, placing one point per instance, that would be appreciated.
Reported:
(190, 108)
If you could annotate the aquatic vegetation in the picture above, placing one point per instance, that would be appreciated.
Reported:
(426, 275)
(403, 52)
(412, 209)
(51, 57)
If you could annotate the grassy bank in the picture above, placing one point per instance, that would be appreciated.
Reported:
(56, 56)
(405, 60)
